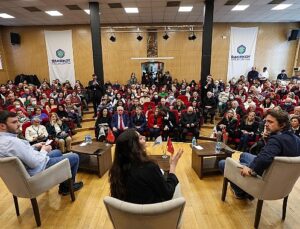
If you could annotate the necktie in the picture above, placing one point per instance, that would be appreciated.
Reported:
(121, 123)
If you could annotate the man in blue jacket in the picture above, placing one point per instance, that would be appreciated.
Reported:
(281, 142)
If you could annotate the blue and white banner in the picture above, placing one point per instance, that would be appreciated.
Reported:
(60, 55)
(241, 51)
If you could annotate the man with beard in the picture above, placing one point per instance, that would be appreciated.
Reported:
(281, 143)
(35, 158)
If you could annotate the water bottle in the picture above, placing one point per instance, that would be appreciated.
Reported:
(194, 142)
(90, 139)
(218, 147)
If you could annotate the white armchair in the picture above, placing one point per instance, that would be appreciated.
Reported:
(276, 183)
(21, 184)
(126, 215)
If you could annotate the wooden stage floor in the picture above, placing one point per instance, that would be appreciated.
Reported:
(204, 208)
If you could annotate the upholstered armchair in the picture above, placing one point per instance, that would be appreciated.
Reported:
(124, 215)
(21, 184)
(276, 183)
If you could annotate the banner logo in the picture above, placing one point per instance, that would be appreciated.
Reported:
(60, 53)
(241, 49)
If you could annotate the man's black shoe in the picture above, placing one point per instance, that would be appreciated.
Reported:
(238, 195)
(76, 186)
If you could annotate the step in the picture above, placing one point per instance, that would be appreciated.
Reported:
(88, 112)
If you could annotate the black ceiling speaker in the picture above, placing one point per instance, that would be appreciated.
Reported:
(166, 36)
(139, 37)
(15, 38)
(112, 38)
(192, 37)
(295, 34)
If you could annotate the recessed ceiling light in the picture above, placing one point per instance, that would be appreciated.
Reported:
(281, 6)
(4, 15)
(53, 13)
(87, 11)
(132, 10)
(185, 8)
(240, 7)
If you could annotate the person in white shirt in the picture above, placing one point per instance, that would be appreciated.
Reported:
(264, 75)
(35, 158)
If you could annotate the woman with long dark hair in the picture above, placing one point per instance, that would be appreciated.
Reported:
(134, 177)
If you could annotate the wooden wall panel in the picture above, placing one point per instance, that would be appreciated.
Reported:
(4, 72)
(273, 50)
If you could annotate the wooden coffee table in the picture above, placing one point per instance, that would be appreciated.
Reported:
(95, 157)
(205, 161)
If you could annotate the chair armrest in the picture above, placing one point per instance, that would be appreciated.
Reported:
(252, 185)
(50, 177)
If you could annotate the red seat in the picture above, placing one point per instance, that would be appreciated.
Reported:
(24, 127)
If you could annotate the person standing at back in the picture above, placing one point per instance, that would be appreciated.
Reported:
(95, 89)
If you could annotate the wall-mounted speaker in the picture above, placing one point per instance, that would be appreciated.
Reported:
(295, 34)
(15, 38)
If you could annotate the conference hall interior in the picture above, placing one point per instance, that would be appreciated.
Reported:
(94, 68)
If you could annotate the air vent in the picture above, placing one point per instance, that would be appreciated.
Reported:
(115, 5)
(276, 2)
(32, 9)
(232, 2)
(173, 3)
(73, 7)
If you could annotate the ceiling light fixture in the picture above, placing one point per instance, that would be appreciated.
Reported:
(131, 10)
(239, 7)
(185, 8)
(87, 11)
(281, 6)
(54, 13)
(113, 38)
(166, 36)
(192, 36)
(139, 37)
(5, 15)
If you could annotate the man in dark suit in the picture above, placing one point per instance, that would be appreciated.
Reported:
(252, 75)
(189, 123)
(282, 75)
(120, 121)
(95, 91)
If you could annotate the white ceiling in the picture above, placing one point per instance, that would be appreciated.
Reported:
(150, 11)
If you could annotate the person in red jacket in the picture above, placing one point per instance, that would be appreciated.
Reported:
(155, 124)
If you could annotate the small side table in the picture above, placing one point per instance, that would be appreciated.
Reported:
(95, 157)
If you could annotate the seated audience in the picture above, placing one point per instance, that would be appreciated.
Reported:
(189, 124)
(36, 132)
(227, 126)
(155, 124)
(120, 121)
(295, 124)
(209, 107)
(248, 129)
(138, 120)
(60, 132)
(170, 126)
(135, 178)
(102, 124)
